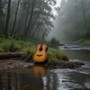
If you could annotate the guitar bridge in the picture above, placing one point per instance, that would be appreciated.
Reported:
(39, 55)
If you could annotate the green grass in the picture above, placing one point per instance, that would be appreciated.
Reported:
(86, 42)
(54, 55)
(11, 45)
(29, 47)
(83, 42)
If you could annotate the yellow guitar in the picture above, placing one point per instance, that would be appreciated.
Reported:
(40, 54)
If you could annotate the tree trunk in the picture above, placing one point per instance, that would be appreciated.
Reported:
(1, 82)
(32, 26)
(84, 15)
(37, 36)
(30, 20)
(9, 81)
(2, 23)
(11, 55)
(33, 35)
(26, 18)
(7, 19)
(15, 18)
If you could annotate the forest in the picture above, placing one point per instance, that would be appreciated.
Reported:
(73, 21)
(25, 19)
(44, 44)
(29, 19)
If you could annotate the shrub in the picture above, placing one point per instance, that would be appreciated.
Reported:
(53, 42)
(1, 50)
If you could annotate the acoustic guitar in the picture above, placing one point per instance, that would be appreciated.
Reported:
(40, 54)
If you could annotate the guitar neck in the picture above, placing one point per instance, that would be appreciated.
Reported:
(44, 36)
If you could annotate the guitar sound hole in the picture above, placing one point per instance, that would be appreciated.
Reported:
(40, 49)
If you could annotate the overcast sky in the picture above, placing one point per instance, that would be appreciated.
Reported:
(58, 2)
(57, 5)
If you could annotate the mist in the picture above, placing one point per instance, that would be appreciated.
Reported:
(72, 21)
(56, 31)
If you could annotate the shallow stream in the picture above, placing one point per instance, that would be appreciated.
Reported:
(41, 78)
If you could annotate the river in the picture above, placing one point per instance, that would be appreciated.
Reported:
(41, 78)
(78, 52)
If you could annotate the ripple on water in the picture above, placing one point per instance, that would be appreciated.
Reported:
(73, 79)
(87, 83)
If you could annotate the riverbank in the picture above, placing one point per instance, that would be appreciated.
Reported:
(12, 51)
(28, 48)
(11, 63)
(83, 42)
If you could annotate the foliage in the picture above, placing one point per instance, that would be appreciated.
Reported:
(26, 19)
(53, 42)
(86, 42)
(1, 7)
(83, 41)
(54, 55)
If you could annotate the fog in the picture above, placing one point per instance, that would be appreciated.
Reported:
(72, 21)
(56, 31)
(66, 20)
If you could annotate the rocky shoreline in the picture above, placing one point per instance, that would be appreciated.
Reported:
(8, 64)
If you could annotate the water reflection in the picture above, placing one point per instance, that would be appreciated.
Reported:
(71, 80)
(1, 87)
(9, 81)
(39, 78)
(40, 72)
(32, 79)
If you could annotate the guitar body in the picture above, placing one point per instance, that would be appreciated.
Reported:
(40, 54)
